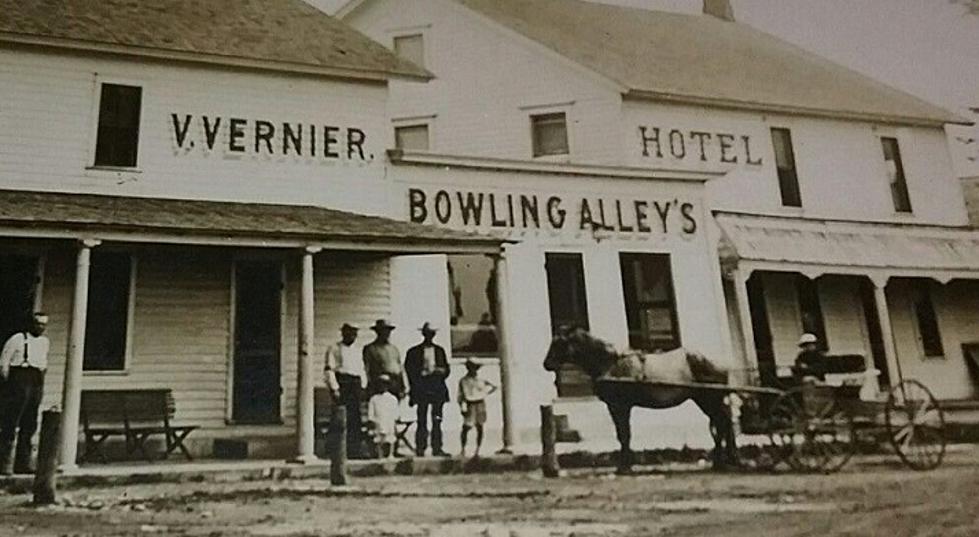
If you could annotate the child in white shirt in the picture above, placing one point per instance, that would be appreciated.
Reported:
(382, 415)
(472, 402)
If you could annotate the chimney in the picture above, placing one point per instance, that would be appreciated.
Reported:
(719, 8)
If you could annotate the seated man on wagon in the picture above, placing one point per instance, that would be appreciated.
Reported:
(810, 363)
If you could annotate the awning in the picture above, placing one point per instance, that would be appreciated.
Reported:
(175, 221)
(815, 247)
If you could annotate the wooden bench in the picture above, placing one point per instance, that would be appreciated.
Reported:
(136, 416)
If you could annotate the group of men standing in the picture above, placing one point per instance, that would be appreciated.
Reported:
(354, 376)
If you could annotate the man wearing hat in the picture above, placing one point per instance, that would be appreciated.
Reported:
(381, 357)
(344, 373)
(810, 362)
(23, 361)
(427, 369)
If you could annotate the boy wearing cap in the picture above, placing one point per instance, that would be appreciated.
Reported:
(472, 402)
(23, 361)
(427, 368)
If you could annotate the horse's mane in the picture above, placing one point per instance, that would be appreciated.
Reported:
(603, 355)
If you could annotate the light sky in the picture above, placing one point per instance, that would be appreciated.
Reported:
(929, 48)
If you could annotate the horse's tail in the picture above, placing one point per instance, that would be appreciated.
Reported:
(704, 370)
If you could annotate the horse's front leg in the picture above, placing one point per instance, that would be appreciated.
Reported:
(621, 416)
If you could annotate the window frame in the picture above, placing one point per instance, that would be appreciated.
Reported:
(671, 300)
(130, 321)
(585, 390)
(533, 117)
(99, 83)
(922, 288)
(408, 34)
(901, 175)
(413, 125)
(785, 196)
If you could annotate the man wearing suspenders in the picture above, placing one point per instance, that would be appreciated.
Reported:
(23, 361)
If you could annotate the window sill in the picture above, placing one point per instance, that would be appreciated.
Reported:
(113, 169)
(113, 373)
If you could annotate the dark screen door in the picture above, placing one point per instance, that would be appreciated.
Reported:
(257, 367)
(18, 285)
(569, 307)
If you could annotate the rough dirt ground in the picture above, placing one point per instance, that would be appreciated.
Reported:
(870, 497)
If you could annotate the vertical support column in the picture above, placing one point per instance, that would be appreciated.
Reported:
(305, 426)
(886, 330)
(504, 342)
(747, 328)
(71, 395)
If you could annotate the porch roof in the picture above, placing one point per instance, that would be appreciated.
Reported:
(222, 223)
(815, 246)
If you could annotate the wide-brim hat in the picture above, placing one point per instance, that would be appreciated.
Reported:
(808, 339)
(382, 324)
(347, 327)
(427, 327)
(473, 365)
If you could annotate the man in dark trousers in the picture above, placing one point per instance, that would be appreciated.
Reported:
(23, 361)
(427, 368)
(346, 379)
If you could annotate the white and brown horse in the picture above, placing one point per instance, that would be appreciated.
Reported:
(660, 380)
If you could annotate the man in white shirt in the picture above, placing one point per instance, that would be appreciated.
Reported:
(346, 379)
(23, 361)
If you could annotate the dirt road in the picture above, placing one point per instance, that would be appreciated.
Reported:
(871, 497)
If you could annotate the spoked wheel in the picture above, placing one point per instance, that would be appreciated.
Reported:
(817, 434)
(915, 425)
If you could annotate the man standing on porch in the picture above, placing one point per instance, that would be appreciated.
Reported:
(427, 369)
(23, 361)
(381, 357)
(345, 377)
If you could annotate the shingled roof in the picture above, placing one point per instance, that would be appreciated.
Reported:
(225, 222)
(275, 34)
(703, 60)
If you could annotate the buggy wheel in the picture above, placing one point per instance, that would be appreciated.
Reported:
(818, 435)
(915, 425)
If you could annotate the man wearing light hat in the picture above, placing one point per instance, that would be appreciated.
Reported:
(381, 357)
(23, 361)
(810, 361)
(427, 369)
(344, 373)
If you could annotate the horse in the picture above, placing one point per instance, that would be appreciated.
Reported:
(660, 380)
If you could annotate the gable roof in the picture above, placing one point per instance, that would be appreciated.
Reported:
(703, 60)
(287, 35)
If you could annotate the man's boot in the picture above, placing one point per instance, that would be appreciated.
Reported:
(22, 459)
(6, 461)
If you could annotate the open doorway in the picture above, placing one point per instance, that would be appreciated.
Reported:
(257, 388)
(18, 290)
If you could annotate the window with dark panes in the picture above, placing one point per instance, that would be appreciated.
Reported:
(411, 48)
(411, 137)
(550, 134)
(108, 311)
(788, 179)
(810, 309)
(118, 133)
(926, 319)
(569, 307)
(650, 305)
(895, 175)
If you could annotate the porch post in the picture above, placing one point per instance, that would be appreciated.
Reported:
(886, 330)
(741, 277)
(305, 426)
(504, 343)
(71, 395)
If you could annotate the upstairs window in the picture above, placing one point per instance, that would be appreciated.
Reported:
(788, 180)
(411, 137)
(411, 48)
(895, 175)
(550, 134)
(106, 332)
(118, 133)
